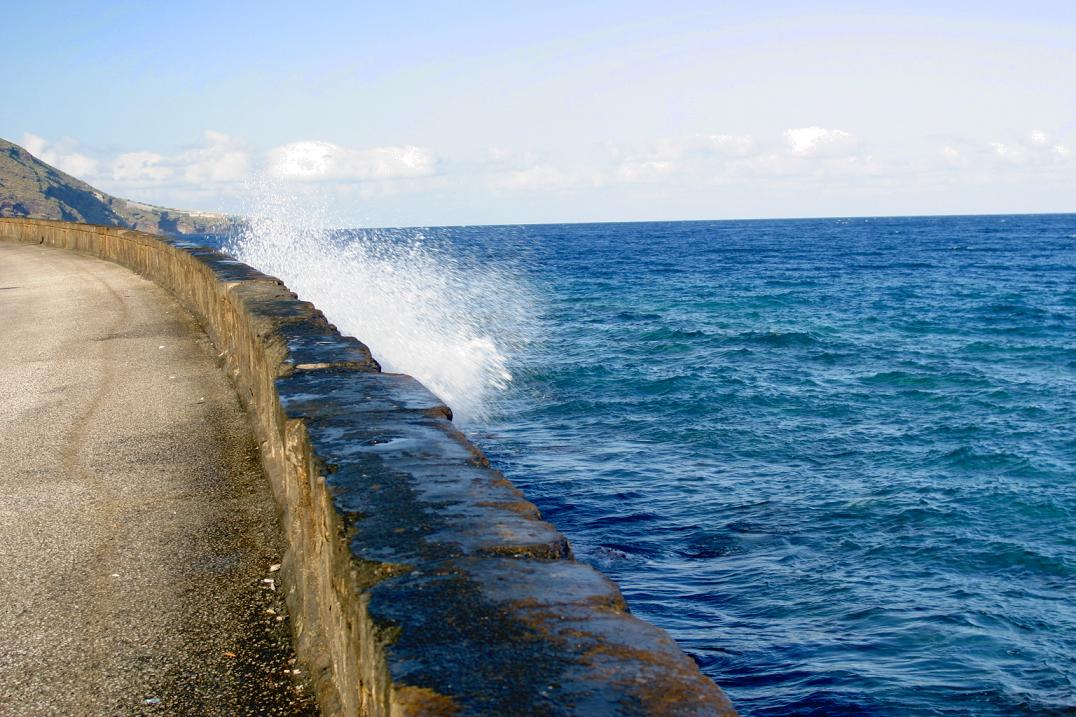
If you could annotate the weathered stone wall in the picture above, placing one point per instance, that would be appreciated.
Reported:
(420, 581)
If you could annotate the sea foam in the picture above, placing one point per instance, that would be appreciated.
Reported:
(423, 307)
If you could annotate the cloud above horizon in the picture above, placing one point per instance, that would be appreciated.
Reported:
(223, 164)
(820, 142)
(218, 171)
(699, 159)
(323, 161)
(60, 155)
(558, 111)
(1038, 148)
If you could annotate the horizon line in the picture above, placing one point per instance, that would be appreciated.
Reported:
(711, 221)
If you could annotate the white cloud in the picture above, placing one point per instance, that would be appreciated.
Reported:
(1039, 150)
(77, 165)
(820, 142)
(500, 154)
(644, 171)
(223, 159)
(1006, 151)
(35, 145)
(684, 155)
(704, 144)
(544, 177)
(703, 159)
(215, 172)
(504, 155)
(59, 155)
(140, 168)
(316, 160)
(220, 160)
(211, 173)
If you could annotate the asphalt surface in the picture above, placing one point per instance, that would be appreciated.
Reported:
(136, 527)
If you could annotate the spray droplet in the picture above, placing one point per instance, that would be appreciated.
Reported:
(422, 307)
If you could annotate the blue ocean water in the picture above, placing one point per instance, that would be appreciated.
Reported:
(835, 458)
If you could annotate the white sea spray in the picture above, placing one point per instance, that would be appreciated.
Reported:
(424, 308)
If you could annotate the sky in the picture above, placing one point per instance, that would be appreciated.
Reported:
(438, 113)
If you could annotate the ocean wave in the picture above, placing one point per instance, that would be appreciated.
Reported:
(666, 333)
(775, 339)
(969, 458)
(426, 309)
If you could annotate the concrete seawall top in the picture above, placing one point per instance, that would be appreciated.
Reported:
(420, 581)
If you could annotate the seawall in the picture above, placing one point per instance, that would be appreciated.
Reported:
(420, 581)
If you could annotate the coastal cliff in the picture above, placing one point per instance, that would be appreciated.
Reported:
(31, 188)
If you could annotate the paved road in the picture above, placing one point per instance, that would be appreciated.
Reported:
(135, 525)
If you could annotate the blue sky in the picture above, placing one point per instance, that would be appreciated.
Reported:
(431, 113)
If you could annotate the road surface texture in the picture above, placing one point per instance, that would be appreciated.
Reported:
(136, 527)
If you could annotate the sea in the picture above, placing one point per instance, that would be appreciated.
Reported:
(834, 458)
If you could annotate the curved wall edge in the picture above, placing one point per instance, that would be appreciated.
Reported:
(420, 581)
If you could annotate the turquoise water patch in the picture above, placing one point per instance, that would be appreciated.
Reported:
(836, 459)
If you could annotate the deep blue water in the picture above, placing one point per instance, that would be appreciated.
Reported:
(835, 458)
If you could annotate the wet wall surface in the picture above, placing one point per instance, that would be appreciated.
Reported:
(419, 580)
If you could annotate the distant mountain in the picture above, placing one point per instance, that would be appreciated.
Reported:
(31, 188)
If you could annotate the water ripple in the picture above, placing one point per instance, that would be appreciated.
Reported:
(835, 459)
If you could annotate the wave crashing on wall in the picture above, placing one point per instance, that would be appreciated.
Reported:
(424, 306)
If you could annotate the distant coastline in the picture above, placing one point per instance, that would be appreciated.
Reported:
(33, 189)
